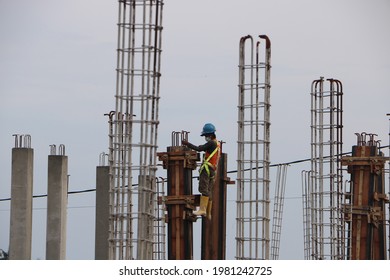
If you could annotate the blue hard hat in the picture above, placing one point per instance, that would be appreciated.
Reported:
(208, 128)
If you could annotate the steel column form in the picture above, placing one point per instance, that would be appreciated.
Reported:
(367, 216)
(180, 203)
(281, 177)
(323, 189)
(214, 230)
(133, 132)
(388, 191)
(253, 218)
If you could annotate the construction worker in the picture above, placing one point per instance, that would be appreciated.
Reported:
(207, 169)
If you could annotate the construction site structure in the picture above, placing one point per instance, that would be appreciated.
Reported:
(133, 130)
(322, 187)
(366, 212)
(214, 229)
(160, 231)
(388, 191)
(102, 210)
(253, 157)
(21, 198)
(277, 218)
(180, 202)
(57, 203)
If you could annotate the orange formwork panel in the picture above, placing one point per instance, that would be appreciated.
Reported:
(214, 230)
(368, 201)
(179, 162)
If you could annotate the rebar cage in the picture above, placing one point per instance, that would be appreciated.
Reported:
(322, 186)
(277, 218)
(133, 130)
(253, 219)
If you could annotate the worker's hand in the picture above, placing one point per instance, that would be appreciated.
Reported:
(184, 142)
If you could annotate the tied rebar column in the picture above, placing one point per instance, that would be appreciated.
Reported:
(306, 210)
(253, 201)
(133, 130)
(324, 195)
(160, 235)
(280, 187)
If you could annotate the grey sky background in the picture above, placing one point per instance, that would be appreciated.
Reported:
(57, 80)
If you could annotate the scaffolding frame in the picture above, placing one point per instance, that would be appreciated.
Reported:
(253, 202)
(322, 187)
(133, 130)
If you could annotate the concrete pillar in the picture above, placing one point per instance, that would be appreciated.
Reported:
(21, 204)
(102, 212)
(57, 199)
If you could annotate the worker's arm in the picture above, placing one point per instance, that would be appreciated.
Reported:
(209, 146)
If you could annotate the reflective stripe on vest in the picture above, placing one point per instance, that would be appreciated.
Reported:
(206, 164)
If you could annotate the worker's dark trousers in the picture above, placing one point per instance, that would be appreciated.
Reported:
(206, 182)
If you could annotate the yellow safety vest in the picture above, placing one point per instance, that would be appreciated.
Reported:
(207, 164)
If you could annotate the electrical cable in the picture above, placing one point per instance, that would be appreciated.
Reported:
(194, 177)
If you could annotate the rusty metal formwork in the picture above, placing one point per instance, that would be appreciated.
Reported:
(388, 192)
(253, 201)
(179, 203)
(366, 216)
(179, 161)
(214, 230)
(322, 186)
(133, 130)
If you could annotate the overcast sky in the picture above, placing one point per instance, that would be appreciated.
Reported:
(57, 80)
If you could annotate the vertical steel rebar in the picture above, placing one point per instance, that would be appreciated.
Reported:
(159, 248)
(306, 206)
(133, 130)
(253, 218)
(324, 195)
(281, 177)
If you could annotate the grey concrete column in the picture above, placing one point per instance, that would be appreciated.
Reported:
(57, 200)
(21, 203)
(102, 212)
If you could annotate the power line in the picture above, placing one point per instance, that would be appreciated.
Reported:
(194, 177)
(45, 208)
(45, 195)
